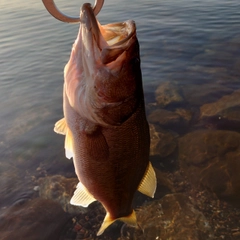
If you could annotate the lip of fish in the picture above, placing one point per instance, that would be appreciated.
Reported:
(99, 41)
(89, 26)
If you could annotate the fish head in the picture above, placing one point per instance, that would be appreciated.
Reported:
(103, 80)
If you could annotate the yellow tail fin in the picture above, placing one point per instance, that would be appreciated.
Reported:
(131, 220)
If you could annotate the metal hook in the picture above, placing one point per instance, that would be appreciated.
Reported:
(53, 10)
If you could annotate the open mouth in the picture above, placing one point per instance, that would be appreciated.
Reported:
(111, 39)
(117, 34)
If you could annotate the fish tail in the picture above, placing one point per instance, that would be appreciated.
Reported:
(130, 219)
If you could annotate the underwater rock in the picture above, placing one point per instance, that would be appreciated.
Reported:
(211, 158)
(164, 117)
(185, 114)
(168, 93)
(15, 187)
(163, 143)
(168, 119)
(60, 189)
(86, 225)
(164, 184)
(172, 217)
(224, 112)
(34, 220)
(204, 93)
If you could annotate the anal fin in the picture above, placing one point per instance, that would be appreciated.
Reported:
(148, 184)
(81, 196)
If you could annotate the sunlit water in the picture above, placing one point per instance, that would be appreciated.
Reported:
(179, 40)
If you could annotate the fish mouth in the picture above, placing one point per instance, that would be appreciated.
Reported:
(104, 42)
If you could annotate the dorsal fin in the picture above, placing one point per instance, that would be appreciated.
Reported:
(81, 196)
(149, 182)
(61, 127)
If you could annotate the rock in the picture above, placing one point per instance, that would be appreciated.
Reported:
(33, 220)
(168, 119)
(185, 114)
(212, 159)
(164, 184)
(86, 225)
(60, 189)
(172, 217)
(164, 117)
(204, 93)
(163, 143)
(15, 187)
(168, 93)
(223, 113)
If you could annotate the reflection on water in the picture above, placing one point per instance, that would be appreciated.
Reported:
(191, 68)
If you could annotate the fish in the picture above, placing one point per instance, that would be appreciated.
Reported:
(105, 126)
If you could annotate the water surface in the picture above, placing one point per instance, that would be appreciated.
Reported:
(190, 43)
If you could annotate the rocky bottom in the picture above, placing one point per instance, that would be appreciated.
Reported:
(189, 213)
(185, 213)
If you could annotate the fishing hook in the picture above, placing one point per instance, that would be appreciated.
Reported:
(54, 11)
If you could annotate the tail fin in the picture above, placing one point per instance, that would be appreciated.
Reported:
(130, 219)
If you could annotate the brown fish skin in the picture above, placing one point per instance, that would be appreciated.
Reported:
(106, 128)
(111, 162)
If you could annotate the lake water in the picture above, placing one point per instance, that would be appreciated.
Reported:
(188, 43)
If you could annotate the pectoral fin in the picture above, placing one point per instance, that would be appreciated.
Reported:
(81, 196)
(131, 220)
(149, 182)
(68, 145)
(61, 127)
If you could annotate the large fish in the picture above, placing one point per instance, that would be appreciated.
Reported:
(104, 120)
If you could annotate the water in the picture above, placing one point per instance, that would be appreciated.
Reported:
(190, 43)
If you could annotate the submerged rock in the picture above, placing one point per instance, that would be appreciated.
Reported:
(164, 184)
(172, 217)
(60, 189)
(185, 114)
(164, 117)
(176, 121)
(15, 187)
(163, 143)
(168, 93)
(224, 112)
(204, 93)
(86, 225)
(211, 158)
(34, 220)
